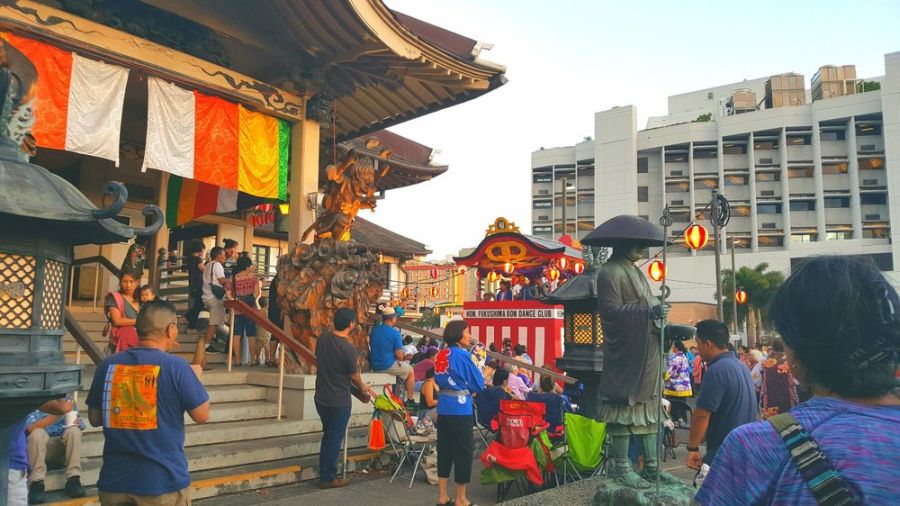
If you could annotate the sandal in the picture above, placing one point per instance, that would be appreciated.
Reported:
(450, 502)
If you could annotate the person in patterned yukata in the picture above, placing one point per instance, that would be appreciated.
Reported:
(458, 378)
(838, 318)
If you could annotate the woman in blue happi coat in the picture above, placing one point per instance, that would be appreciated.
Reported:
(458, 378)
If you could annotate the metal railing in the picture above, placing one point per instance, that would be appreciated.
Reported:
(496, 356)
(100, 261)
(287, 343)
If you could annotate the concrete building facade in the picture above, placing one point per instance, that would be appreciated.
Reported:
(804, 176)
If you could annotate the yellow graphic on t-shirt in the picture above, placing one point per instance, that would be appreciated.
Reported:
(132, 397)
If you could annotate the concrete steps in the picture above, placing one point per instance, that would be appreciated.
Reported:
(242, 448)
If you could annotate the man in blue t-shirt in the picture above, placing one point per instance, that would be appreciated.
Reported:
(728, 397)
(140, 396)
(386, 354)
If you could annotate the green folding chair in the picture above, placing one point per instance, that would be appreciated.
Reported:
(585, 447)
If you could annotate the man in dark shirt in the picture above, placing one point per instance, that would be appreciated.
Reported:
(337, 369)
(728, 398)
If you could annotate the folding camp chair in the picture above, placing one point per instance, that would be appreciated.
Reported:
(485, 436)
(514, 450)
(411, 448)
(585, 447)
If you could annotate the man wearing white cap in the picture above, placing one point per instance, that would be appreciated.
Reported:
(386, 353)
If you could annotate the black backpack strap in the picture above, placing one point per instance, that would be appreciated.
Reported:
(826, 485)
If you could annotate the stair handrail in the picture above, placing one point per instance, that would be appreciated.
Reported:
(83, 339)
(242, 308)
(496, 356)
(99, 259)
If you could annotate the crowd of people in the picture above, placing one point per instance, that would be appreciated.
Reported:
(840, 340)
(521, 288)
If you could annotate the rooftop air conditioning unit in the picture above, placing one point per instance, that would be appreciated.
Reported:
(873, 217)
(867, 147)
(765, 160)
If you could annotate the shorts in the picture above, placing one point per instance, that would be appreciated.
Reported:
(244, 325)
(178, 498)
(399, 369)
(216, 308)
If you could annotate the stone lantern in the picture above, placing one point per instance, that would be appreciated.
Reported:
(42, 217)
(583, 354)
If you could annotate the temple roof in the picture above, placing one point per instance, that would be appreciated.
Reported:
(524, 251)
(374, 236)
(410, 161)
(381, 67)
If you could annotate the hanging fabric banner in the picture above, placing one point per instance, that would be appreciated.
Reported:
(78, 101)
(230, 147)
(188, 199)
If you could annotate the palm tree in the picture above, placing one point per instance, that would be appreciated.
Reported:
(760, 284)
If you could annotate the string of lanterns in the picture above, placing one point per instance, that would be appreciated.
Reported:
(695, 237)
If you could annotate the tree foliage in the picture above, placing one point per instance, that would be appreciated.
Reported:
(760, 284)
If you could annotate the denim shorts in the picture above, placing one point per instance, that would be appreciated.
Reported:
(243, 324)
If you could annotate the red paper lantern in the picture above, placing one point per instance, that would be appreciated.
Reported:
(434, 273)
(696, 236)
(553, 274)
(405, 292)
(434, 291)
(740, 296)
(563, 262)
(657, 270)
(579, 267)
(508, 267)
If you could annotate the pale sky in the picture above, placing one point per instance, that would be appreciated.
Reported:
(566, 60)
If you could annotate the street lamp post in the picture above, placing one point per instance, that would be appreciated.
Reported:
(695, 237)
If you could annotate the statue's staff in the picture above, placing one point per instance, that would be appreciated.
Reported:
(666, 222)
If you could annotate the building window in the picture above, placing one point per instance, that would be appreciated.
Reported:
(707, 183)
(868, 129)
(543, 178)
(839, 235)
(871, 164)
(705, 153)
(876, 233)
(736, 180)
(873, 199)
(735, 149)
(643, 167)
(834, 168)
(805, 237)
(542, 204)
(762, 177)
(261, 257)
(803, 205)
(837, 202)
(643, 194)
(799, 140)
(677, 187)
(542, 229)
(676, 157)
(768, 208)
(765, 145)
(833, 135)
(798, 172)
(771, 241)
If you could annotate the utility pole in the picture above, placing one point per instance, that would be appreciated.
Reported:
(733, 289)
(714, 217)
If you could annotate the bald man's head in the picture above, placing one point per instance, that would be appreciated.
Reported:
(154, 319)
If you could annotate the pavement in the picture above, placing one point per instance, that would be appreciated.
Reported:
(372, 488)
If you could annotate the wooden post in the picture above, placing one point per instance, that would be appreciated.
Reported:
(280, 380)
(304, 178)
